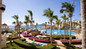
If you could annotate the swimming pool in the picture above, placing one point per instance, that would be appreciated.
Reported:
(59, 32)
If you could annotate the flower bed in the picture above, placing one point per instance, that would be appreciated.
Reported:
(24, 34)
(72, 42)
(33, 32)
(41, 40)
(58, 37)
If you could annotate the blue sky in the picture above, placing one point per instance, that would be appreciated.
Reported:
(20, 7)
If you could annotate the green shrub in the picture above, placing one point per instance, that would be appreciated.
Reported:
(24, 45)
(15, 46)
(23, 39)
(36, 32)
(70, 46)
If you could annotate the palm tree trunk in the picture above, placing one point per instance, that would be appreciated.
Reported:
(70, 32)
(0, 23)
(51, 31)
(19, 31)
(67, 31)
(31, 23)
(17, 26)
(27, 27)
(0, 26)
(83, 23)
(31, 26)
(67, 27)
(64, 29)
(57, 26)
(46, 30)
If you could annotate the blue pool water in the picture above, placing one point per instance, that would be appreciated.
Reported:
(59, 32)
(54, 32)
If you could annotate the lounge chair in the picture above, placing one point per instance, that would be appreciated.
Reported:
(45, 45)
(41, 44)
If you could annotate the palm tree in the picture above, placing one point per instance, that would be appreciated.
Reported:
(45, 24)
(64, 18)
(31, 22)
(83, 23)
(18, 29)
(58, 23)
(69, 8)
(36, 25)
(17, 21)
(54, 25)
(49, 13)
(27, 20)
(67, 24)
(14, 23)
(20, 23)
(31, 15)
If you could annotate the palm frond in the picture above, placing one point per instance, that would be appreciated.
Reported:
(14, 22)
(55, 17)
(31, 14)
(15, 17)
(25, 22)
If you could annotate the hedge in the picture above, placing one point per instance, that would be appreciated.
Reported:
(24, 45)
(13, 46)
(70, 46)
(31, 46)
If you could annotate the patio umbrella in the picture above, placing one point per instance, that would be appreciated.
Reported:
(9, 34)
(38, 36)
(44, 36)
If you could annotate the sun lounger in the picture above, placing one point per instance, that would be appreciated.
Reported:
(45, 45)
(41, 44)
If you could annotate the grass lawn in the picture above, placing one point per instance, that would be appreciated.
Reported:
(19, 44)
(14, 46)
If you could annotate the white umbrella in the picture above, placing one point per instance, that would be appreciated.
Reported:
(44, 36)
(38, 36)
(9, 34)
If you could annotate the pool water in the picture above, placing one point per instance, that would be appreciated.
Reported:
(59, 32)
(54, 32)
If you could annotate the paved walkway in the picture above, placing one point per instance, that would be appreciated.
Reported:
(60, 45)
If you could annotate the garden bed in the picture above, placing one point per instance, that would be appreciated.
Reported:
(31, 46)
(72, 42)
(58, 37)
(41, 40)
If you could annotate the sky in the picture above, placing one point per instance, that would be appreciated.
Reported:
(20, 7)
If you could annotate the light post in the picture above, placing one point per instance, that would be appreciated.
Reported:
(2, 8)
